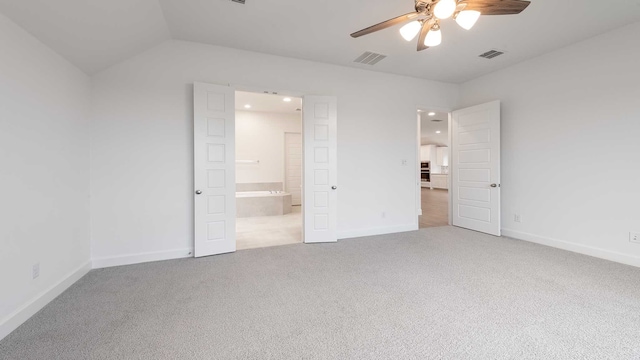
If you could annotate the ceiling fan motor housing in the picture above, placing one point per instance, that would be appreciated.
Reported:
(421, 5)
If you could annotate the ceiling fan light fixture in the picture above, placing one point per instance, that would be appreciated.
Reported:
(467, 18)
(444, 9)
(410, 30)
(434, 37)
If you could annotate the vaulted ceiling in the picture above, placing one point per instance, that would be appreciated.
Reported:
(96, 34)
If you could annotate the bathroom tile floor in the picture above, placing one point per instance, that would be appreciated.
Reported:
(264, 231)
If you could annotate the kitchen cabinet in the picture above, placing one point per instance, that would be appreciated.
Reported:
(442, 156)
(439, 181)
(428, 153)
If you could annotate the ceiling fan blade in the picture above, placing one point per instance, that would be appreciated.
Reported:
(497, 7)
(385, 24)
(426, 27)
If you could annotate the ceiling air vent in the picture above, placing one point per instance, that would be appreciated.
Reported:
(369, 58)
(491, 54)
(238, 1)
(436, 120)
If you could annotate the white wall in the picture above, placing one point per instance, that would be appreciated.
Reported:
(260, 136)
(571, 144)
(44, 180)
(142, 171)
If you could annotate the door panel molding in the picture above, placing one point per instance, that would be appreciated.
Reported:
(214, 169)
(319, 114)
(475, 139)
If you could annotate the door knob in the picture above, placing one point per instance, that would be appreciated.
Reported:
(198, 192)
(334, 187)
(494, 185)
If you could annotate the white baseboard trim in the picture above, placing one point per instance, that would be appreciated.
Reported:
(130, 259)
(574, 247)
(348, 234)
(18, 317)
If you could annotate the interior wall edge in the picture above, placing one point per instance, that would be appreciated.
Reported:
(19, 316)
(140, 258)
(356, 233)
(574, 247)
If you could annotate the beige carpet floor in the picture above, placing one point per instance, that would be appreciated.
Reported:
(437, 293)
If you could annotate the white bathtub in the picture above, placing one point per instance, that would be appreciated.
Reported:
(240, 194)
(262, 203)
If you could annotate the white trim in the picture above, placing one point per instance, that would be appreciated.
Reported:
(574, 247)
(449, 122)
(140, 258)
(347, 234)
(22, 314)
(418, 167)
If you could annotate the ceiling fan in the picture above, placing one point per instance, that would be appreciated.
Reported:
(426, 19)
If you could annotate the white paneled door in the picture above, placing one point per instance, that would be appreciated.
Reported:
(214, 169)
(293, 166)
(319, 114)
(475, 183)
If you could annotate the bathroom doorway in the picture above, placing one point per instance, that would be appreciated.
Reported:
(269, 170)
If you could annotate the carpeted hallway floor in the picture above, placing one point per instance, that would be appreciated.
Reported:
(438, 293)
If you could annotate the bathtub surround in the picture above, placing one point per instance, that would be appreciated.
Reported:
(269, 186)
(262, 203)
(265, 216)
(261, 199)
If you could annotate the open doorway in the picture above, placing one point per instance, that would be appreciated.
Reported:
(434, 168)
(216, 166)
(268, 170)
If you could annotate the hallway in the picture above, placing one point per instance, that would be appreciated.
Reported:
(435, 208)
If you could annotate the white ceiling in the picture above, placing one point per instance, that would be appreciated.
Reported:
(267, 102)
(428, 128)
(92, 34)
(96, 34)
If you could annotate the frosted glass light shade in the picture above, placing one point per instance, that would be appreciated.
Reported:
(434, 38)
(444, 9)
(467, 18)
(410, 30)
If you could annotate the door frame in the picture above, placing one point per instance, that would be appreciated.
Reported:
(451, 169)
(292, 93)
(284, 186)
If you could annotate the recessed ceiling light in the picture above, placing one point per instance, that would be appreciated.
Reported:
(419, 110)
(438, 132)
(432, 114)
(247, 106)
(286, 99)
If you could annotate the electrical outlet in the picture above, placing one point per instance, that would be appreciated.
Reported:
(517, 218)
(35, 270)
(403, 162)
(634, 237)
